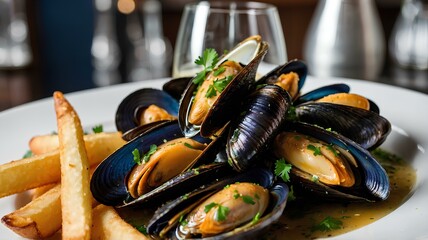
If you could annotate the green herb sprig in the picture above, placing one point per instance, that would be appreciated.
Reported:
(283, 169)
(208, 60)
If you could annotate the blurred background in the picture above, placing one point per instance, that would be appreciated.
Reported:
(75, 45)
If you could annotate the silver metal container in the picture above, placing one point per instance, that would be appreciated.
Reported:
(345, 39)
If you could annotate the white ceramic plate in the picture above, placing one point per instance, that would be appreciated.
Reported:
(407, 110)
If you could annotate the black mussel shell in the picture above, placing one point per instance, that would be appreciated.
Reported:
(294, 65)
(322, 92)
(261, 118)
(131, 105)
(230, 99)
(364, 127)
(163, 214)
(176, 86)
(108, 183)
(372, 182)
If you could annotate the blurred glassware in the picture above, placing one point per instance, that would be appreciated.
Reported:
(151, 52)
(222, 25)
(105, 50)
(345, 39)
(15, 51)
(408, 44)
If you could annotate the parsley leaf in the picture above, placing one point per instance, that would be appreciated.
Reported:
(209, 206)
(151, 151)
(211, 92)
(142, 229)
(98, 129)
(282, 169)
(188, 145)
(316, 150)
(218, 86)
(222, 213)
(331, 148)
(256, 218)
(28, 154)
(315, 178)
(248, 199)
(208, 60)
(291, 195)
(136, 155)
(328, 224)
(219, 71)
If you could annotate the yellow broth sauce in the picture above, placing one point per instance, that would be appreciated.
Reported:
(304, 219)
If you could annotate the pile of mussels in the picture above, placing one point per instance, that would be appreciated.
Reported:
(206, 160)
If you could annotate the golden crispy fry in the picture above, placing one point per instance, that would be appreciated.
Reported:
(43, 144)
(107, 224)
(37, 192)
(38, 219)
(75, 193)
(24, 174)
(46, 143)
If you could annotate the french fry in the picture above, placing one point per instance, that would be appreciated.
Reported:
(75, 193)
(107, 224)
(38, 191)
(20, 175)
(46, 143)
(40, 218)
(27, 173)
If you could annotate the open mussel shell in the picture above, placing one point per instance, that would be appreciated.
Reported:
(108, 183)
(132, 105)
(176, 86)
(372, 182)
(364, 127)
(294, 65)
(249, 53)
(260, 119)
(162, 216)
(278, 194)
(322, 92)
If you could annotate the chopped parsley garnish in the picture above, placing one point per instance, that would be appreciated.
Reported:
(331, 148)
(329, 223)
(182, 220)
(256, 218)
(236, 194)
(209, 206)
(219, 71)
(188, 145)
(227, 186)
(142, 229)
(315, 178)
(235, 135)
(151, 151)
(222, 211)
(136, 156)
(291, 114)
(283, 169)
(249, 200)
(28, 154)
(208, 60)
(98, 129)
(316, 150)
(291, 195)
(218, 86)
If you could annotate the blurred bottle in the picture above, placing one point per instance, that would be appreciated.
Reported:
(345, 39)
(408, 44)
(15, 51)
(152, 52)
(16, 77)
(105, 50)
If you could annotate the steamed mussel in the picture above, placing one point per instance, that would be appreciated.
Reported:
(217, 158)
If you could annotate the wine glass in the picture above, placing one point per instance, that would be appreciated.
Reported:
(222, 25)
